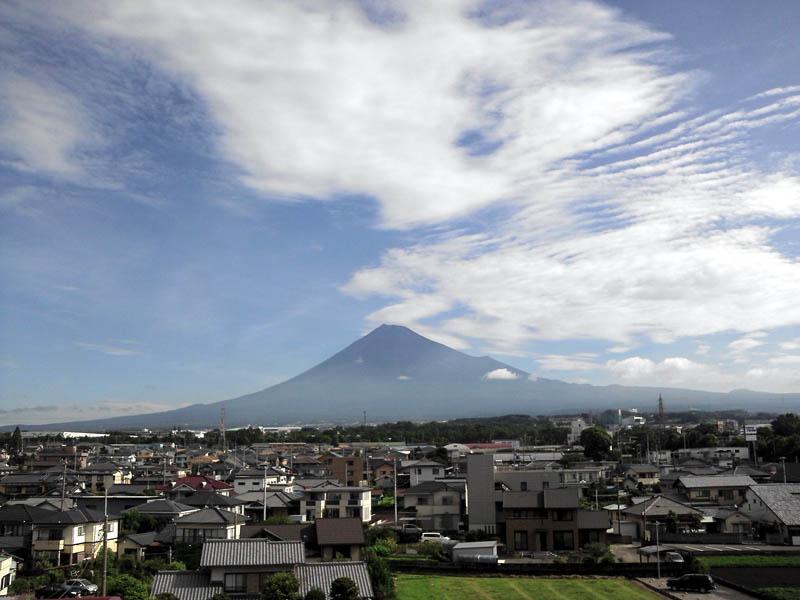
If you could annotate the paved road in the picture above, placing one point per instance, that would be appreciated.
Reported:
(721, 593)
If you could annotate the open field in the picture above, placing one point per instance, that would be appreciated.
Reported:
(750, 560)
(428, 587)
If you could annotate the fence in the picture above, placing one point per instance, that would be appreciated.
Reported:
(551, 569)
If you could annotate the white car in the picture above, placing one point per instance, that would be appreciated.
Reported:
(433, 536)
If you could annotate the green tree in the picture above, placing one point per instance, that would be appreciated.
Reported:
(785, 425)
(380, 576)
(344, 588)
(166, 596)
(314, 594)
(596, 443)
(281, 586)
(128, 588)
(16, 441)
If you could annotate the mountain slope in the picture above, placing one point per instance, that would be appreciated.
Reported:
(394, 373)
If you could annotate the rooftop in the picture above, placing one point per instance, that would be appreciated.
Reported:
(251, 553)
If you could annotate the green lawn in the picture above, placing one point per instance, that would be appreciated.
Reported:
(750, 560)
(434, 587)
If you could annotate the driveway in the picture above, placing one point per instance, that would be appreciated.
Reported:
(721, 593)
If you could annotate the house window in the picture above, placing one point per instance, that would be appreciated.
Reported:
(545, 485)
(435, 471)
(235, 582)
(81, 530)
(523, 486)
(447, 501)
(520, 540)
(563, 540)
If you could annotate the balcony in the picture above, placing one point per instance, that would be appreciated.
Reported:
(48, 545)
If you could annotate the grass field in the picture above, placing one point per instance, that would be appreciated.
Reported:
(750, 560)
(434, 587)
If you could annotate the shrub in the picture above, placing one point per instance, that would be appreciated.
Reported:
(128, 588)
(314, 594)
(344, 588)
(280, 586)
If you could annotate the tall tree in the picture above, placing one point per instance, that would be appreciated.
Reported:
(16, 441)
(596, 443)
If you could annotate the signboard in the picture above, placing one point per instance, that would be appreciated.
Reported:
(750, 433)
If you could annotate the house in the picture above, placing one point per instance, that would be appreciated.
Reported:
(241, 566)
(185, 585)
(102, 475)
(436, 505)
(308, 466)
(663, 509)
(207, 524)
(424, 470)
(383, 470)
(37, 483)
(163, 510)
(278, 504)
(776, 509)
(210, 499)
(727, 520)
(327, 501)
(551, 519)
(641, 475)
(186, 486)
(724, 490)
(70, 536)
(8, 572)
(723, 456)
(340, 538)
(253, 480)
(322, 575)
(348, 470)
(136, 544)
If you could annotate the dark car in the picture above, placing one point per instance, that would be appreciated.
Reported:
(54, 591)
(695, 582)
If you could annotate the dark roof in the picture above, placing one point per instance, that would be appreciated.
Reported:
(199, 482)
(142, 539)
(162, 506)
(123, 489)
(290, 532)
(211, 516)
(22, 513)
(211, 499)
(346, 531)
(322, 575)
(562, 497)
(251, 553)
(659, 506)
(593, 519)
(782, 500)
(186, 585)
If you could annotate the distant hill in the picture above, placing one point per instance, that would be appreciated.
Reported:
(394, 373)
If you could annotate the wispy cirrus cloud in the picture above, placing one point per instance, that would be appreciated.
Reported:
(110, 349)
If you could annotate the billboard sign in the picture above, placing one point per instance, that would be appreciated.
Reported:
(750, 433)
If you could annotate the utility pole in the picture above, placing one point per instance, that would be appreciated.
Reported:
(105, 541)
(658, 554)
(64, 486)
(395, 491)
(264, 515)
(783, 466)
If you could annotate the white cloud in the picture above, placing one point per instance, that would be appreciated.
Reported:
(702, 349)
(403, 377)
(619, 349)
(561, 362)
(789, 359)
(676, 370)
(791, 344)
(744, 344)
(42, 128)
(110, 350)
(503, 374)
(316, 100)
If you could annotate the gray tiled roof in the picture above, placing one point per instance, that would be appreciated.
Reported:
(783, 500)
(251, 552)
(162, 506)
(210, 516)
(321, 575)
(186, 585)
(715, 481)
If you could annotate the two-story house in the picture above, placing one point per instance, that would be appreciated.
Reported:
(420, 471)
(186, 486)
(641, 475)
(436, 505)
(8, 572)
(551, 520)
(776, 510)
(334, 501)
(722, 490)
(100, 476)
(70, 536)
(347, 470)
(241, 566)
(208, 524)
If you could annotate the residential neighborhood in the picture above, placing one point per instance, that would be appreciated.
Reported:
(243, 514)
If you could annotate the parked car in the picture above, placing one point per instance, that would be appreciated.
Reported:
(673, 557)
(82, 587)
(433, 536)
(54, 591)
(695, 582)
(408, 532)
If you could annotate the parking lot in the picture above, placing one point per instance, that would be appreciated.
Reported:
(721, 593)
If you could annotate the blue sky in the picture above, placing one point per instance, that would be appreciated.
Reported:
(198, 200)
